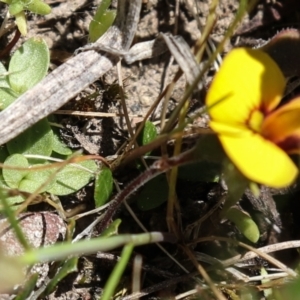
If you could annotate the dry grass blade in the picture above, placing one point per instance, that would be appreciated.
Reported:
(72, 77)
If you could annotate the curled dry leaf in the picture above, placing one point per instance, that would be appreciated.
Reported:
(40, 229)
(284, 48)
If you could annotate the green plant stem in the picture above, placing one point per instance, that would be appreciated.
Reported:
(210, 21)
(117, 272)
(172, 198)
(63, 250)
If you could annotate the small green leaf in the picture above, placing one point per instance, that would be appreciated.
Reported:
(38, 139)
(236, 184)
(14, 177)
(148, 134)
(27, 181)
(28, 65)
(35, 179)
(153, 194)
(71, 178)
(21, 22)
(58, 145)
(112, 229)
(102, 21)
(16, 7)
(103, 187)
(38, 7)
(7, 97)
(11, 201)
(244, 223)
(69, 266)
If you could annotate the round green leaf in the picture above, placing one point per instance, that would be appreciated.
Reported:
(28, 65)
(71, 179)
(14, 177)
(35, 179)
(38, 139)
(154, 193)
(103, 187)
(244, 223)
(12, 201)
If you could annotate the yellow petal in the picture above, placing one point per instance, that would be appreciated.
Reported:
(260, 160)
(248, 80)
(228, 129)
(283, 122)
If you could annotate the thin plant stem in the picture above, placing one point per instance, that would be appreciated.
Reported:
(150, 173)
(258, 252)
(123, 102)
(240, 13)
(117, 272)
(157, 168)
(172, 199)
(204, 274)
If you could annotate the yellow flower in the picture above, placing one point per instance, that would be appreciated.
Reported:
(256, 133)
